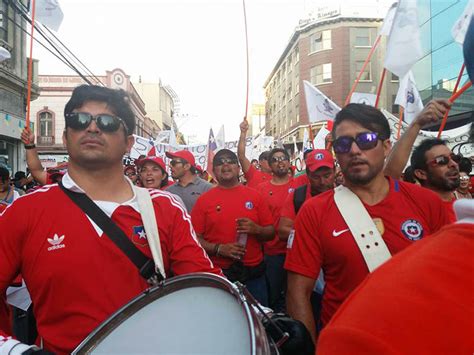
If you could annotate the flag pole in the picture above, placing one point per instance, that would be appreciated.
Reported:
(30, 65)
(247, 52)
(372, 50)
(311, 135)
(400, 122)
(379, 89)
(445, 117)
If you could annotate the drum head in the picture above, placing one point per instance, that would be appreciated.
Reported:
(192, 314)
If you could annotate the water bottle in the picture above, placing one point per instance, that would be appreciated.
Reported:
(241, 238)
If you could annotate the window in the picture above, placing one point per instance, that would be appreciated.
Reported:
(297, 55)
(321, 74)
(3, 20)
(362, 37)
(46, 124)
(395, 107)
(394, 77)
(367, 74)
(320, 41)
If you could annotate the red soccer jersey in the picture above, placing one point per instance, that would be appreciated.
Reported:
(215, 213)
(419, 302)
(323, 240)
(255, 177)
(77, 276)
(288, 209)
(448, 205)
(276, 195)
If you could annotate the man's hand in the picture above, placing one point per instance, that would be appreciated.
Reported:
(432, 113)
(246, 225)
(244, 126)
(27, 137)
(232, 251)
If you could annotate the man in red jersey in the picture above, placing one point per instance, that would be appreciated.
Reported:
(402, 213)
(275, 193)
(76, 275)
(232, 221)
(253, 176)
(418, 302)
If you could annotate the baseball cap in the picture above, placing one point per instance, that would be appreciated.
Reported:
(319, 158)
(153, 159)
(182, 154)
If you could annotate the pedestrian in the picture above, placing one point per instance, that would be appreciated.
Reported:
(153, 173)
(76, 274)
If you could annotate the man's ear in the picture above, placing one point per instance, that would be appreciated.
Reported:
(387, 147)
(130, 142)
(64, 137)
(420, 174)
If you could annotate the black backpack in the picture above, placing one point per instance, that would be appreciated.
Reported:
(299, 197)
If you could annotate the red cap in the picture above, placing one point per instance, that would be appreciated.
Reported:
(153, 159)
(199, 168)
(182, 154)
(319, 158)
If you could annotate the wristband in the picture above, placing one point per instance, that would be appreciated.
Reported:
(30, 146)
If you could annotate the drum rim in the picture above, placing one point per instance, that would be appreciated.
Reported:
(167, 287)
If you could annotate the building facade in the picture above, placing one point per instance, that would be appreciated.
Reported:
(437, 71)
(328, 51)
(13, 86)
(48, 111)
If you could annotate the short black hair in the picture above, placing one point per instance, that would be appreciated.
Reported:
(418, 157)
(306, 152)
(277, 150)
(365, 115)
(4, 174)
(263, 155)
(465, 165)
(409, 175)
(224, 152)
(117, 100)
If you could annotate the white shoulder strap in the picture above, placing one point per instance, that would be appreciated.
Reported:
(363, 229)
(151, 229)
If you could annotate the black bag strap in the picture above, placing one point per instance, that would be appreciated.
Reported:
(145, 265)
(299, 197)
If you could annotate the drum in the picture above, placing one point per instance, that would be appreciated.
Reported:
(191, 314)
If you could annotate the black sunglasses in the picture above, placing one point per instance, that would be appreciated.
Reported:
(365, 141)
(279, 159)
(222, 161)
(444, 159)
(175, 162)
(106, 123)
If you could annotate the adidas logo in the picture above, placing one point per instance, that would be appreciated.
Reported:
(56, 242)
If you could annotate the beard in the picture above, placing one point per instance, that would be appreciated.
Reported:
(360, 177)
(443, 183)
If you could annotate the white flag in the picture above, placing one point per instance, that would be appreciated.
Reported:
(403, 45)
(388, 20)
(4, 54)
(49, 13)
(172, 140)
(363, 98)
(306, 140)
(409, 98)
(319, 106)
(220, 138)
(460, 27)
(320, 139)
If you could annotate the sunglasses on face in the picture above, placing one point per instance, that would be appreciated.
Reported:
(106, 123)
(223, 161)
(365, 141)
(278, 159)
(444, 160)
(175, 162)
(464, 178)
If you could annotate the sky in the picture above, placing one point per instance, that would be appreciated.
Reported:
(195, 46)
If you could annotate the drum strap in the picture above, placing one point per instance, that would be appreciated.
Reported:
(151, 228)
(145, 265)
(363, 229)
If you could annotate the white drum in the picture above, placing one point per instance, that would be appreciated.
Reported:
(191, 314)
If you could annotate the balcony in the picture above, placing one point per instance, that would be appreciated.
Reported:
(45, 141)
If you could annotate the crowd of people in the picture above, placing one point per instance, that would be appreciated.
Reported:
(309, 245)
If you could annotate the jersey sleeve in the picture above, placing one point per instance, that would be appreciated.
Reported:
(186, 254)
(288, 209)
(198, 216)
(305, 257)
